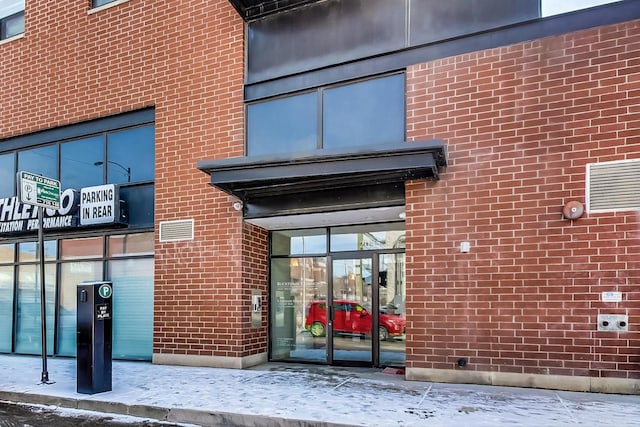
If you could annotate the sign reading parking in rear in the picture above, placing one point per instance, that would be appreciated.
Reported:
(39, 190)
(98, 204)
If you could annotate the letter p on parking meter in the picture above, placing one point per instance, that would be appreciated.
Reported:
(94, 336)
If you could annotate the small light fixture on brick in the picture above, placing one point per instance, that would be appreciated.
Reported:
(573, 210)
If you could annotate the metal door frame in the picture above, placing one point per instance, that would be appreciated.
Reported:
(375, 302)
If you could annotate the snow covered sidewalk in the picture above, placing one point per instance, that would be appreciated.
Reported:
(308, 395)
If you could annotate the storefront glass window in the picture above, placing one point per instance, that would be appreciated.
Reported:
(79, 160)
(299, 242)
(359, 238)
(28, 251)
(7, 253)
(140, 203)
(130, 155)
(366, 113)
(295, 283)
(6, 306)
(131, 244)
(41, 161)
(90, 247)
(7, 175)
(71, 274)
(284, 125)
(132, 307)
(28, 325)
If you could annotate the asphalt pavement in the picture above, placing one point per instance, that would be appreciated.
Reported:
(294, 395)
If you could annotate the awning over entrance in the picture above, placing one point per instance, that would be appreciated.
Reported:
(326, 180)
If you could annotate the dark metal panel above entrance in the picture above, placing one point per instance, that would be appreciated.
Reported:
(326, 180)
(252, 9)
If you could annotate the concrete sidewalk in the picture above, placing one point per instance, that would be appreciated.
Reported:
(307, 395)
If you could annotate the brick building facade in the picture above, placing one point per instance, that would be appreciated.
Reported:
(498, 286)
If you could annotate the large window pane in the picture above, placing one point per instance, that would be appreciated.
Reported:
(71, 274)
(282, 126)
(132, 308)
(299, 242)
(41, 161)
(28, 251)
(140, 203)
(7, 175)
(90, 247)
(131, 244)
(6, 307)
(131, 155)
(367, 237)
(295, 283)
(80, 162)
(7, 253)
(366, 113)
(28, 325)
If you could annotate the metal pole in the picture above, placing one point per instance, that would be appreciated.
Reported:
(43, 301)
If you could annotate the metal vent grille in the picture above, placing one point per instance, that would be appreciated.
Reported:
(171, 231)
(613, 186)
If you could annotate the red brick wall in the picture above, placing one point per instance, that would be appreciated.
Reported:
(521, 122)
(186, 60)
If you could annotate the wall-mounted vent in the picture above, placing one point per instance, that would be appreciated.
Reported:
(613, 186)
(172, 231)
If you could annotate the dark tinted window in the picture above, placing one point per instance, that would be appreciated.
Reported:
(131, 155)
(41, 161)
(283, 125)
(79, 162)
(7, 175)
(365, 113)
(12, 25)
(139, 200)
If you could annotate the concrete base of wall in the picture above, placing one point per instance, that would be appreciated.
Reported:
(210, 361)
(553, 382)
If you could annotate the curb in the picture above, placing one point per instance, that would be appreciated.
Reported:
(174, 415)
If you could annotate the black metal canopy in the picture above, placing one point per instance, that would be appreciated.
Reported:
(252, 9)
(326, 179)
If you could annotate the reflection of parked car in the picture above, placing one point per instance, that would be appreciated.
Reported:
(352, 318)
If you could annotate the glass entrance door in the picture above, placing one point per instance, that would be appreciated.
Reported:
(352, 316)
(391, 298)
(337, 295)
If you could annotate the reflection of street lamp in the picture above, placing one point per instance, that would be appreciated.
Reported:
(127, 170)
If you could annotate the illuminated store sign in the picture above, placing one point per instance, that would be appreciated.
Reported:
(97, 205)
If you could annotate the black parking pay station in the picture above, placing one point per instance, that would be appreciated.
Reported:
(94, 331)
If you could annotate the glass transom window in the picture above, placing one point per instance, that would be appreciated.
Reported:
(364, 113)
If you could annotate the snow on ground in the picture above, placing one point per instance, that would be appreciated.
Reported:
(362, 397)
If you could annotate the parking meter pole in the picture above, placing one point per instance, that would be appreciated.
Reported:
(94, 337)
(43, 302)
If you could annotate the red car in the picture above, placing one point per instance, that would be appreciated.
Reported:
(352, 318)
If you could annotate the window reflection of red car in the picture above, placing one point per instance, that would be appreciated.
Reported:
(352, 318)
